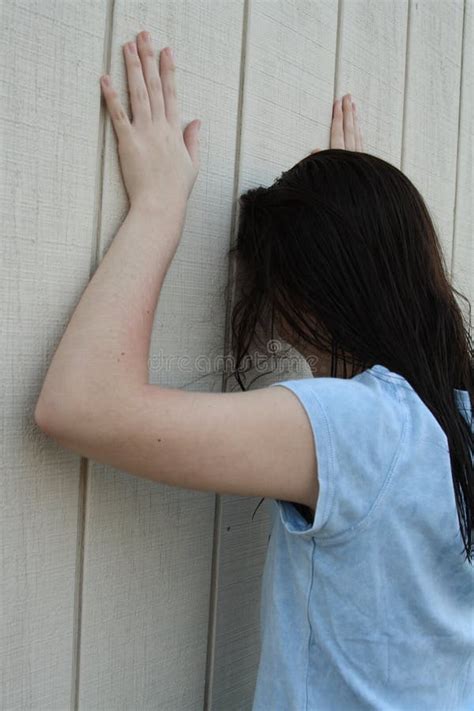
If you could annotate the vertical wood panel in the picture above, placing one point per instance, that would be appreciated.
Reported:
(463, 249)
(149, 547)
(49, 128)
(432, 106)
(287, 103)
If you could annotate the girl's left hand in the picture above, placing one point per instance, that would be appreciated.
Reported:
(159, 161)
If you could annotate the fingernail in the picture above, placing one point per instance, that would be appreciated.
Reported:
(132, 47)
(353, 106)
(170, 53)
(105, 80)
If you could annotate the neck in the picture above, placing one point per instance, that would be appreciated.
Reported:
(320, 364)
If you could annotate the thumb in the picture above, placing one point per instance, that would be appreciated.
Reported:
(191, 139)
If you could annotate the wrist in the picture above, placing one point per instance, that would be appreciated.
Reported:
(152, 205)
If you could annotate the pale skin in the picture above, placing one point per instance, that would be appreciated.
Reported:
(96, 399)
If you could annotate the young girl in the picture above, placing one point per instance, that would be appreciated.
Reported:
(367, 598)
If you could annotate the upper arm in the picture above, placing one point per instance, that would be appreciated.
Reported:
(255, 443)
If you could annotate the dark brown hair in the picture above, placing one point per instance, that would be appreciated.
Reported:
(343, 249)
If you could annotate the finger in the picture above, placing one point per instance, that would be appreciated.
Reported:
(357, 131)
(140, 103)
(349, 137)
(337, 132)
(168, 82)
(151, 75)
(118, 115)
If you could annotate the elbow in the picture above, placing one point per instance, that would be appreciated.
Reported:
(38, 417)
(66, 426)
(46, 417)
(53, 419)
(79, 422)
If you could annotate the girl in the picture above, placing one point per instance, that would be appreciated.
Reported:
(366, 600)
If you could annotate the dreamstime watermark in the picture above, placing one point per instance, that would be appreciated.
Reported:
(274, 359)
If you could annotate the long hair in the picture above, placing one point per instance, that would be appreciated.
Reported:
(342, 249)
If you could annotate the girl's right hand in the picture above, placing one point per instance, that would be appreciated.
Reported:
(345, 128)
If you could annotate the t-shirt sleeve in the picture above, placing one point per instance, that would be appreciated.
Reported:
(357, 427)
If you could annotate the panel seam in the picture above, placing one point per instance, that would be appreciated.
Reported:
(235, 212)
(338, 47)
(405, 88)
(84, 465)
(456, 178)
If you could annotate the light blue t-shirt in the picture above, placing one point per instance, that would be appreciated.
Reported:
(371, 607)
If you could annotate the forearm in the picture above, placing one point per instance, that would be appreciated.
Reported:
(105, 347)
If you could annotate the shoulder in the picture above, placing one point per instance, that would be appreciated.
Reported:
(368, 398)
(359, 425)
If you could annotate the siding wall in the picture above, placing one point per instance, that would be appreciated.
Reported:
(117, 593)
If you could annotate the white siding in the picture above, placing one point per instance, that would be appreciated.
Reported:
(51, 57)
